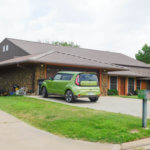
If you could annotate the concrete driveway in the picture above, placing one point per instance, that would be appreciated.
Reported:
(108, 103)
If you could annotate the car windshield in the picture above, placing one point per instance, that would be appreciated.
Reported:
(88, 77)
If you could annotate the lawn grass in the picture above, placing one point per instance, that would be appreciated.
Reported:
(74, 122)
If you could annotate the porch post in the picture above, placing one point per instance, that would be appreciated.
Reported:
(100, 80)
(135, 80)
(45, 71)
(126, 86)
(118, 86)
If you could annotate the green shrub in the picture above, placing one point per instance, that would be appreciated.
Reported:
(133, 93)
(112, 92)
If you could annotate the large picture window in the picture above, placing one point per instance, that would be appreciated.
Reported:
(130, 85)
(138, 84)
(113, 83)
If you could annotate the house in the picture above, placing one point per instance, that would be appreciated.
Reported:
(27, 63)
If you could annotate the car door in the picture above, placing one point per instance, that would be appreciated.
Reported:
(65, 80)
(49, 85)
(55, 83)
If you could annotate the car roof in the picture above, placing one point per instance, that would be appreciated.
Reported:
(73, 72)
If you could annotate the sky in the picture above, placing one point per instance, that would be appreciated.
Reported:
(111, 25)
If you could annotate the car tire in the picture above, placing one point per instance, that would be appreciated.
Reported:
(44, 92)
(93, 99)
(69, 97)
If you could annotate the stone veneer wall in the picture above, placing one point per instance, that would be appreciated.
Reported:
(104, 85)
(39, 74)
(11, 76)
(22, 77)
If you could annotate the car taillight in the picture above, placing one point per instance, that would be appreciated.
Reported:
(77, 80)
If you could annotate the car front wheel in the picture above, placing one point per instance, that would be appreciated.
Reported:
(93, 99)
(44, 92)
(69, 96)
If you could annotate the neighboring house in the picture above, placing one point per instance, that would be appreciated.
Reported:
(27, 63)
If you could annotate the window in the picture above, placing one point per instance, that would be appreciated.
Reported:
(138, 85)
(7, 47)
(57, 77)
(130, 85)
(66, 76)
(4, 48)
(113, 83)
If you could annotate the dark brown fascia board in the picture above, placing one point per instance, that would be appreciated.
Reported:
(58, 64)
(79, 66)
(139, 76)
(133, 66)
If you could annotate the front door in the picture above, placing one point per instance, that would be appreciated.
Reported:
(122, 86)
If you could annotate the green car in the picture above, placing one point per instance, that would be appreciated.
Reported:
(72, 85)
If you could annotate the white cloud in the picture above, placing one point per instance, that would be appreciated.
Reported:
(119, 26)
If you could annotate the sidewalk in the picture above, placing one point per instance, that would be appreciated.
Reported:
(17, 135)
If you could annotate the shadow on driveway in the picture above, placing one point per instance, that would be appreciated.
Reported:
(79, 100)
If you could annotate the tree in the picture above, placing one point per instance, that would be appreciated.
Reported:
(63, 43)
(144, 54)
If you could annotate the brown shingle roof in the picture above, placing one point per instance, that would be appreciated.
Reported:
(102, 56)
(133, 72)
(47, 53)
(57, 58)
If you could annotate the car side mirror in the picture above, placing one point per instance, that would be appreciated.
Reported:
(50, 78)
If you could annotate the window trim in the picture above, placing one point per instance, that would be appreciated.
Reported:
(110, 81)
(4, 48)
(140, 84)
(133, 83)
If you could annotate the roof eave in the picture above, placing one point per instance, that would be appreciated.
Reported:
(63, 64)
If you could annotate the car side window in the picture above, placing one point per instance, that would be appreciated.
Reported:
(66, 76)
(57, 77)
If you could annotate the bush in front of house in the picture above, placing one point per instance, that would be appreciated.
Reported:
(133, 93)
(112, 92)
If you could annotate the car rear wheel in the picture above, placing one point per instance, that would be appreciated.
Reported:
(69, 96)
(44, 92)
(93, 99)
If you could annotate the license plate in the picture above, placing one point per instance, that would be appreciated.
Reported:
(90, 93)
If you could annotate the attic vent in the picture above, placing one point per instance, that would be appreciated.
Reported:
(5, 48)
